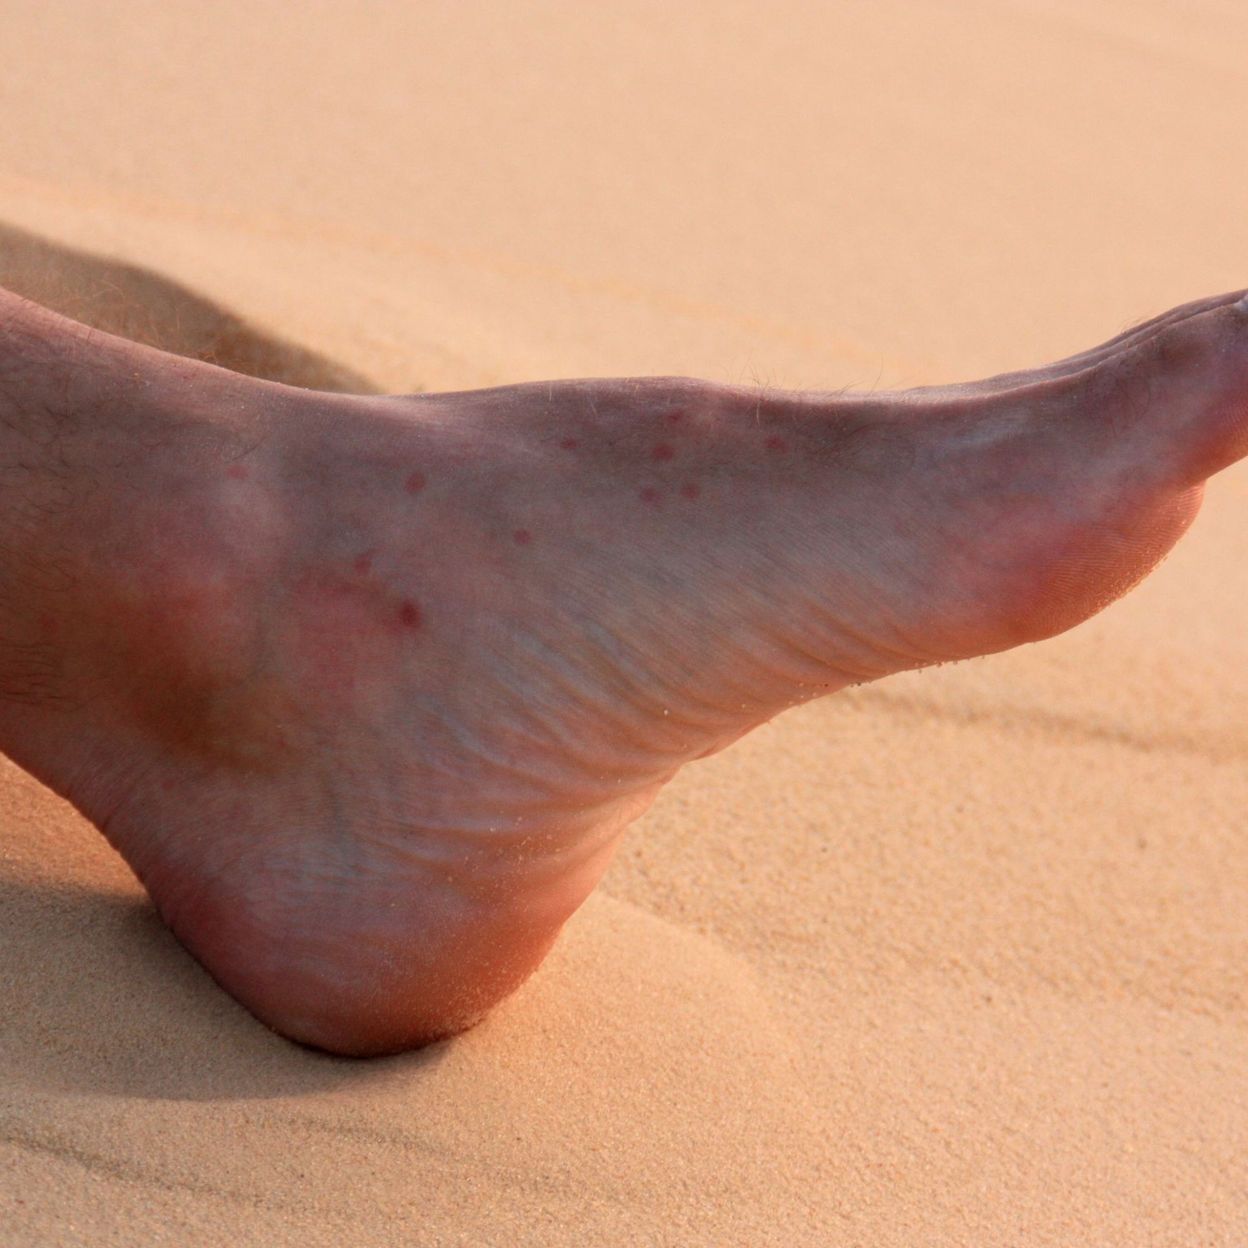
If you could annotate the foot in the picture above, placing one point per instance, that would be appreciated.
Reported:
(365, 690)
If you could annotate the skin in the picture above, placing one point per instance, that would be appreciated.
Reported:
(365, 690)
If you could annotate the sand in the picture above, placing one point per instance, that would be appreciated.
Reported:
(961, 958)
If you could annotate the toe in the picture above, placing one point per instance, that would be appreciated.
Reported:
(1134, 337)
(1177, 403)
(1139, 335)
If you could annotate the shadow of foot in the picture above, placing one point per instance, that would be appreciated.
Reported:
(137, 303)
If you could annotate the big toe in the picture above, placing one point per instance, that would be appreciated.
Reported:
(1070, 489)
(1176, 404)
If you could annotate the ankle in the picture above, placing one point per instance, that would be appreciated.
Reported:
(118, 490)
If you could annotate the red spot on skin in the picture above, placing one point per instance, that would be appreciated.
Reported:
(664, 450)
(569, 444)
(522, 537)
(239, 472)
(415, 483)
(649, 495)
(775, 443)
(409, 615)
(690, 490)
(364, 564)
(675, 417)
(49, 625)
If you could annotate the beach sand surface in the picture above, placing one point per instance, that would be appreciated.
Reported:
(958, 959)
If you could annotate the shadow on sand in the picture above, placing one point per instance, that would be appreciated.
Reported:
(138, 303)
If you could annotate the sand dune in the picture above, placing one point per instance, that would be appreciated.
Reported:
(958, 959)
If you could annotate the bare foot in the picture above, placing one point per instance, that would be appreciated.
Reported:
(365, 690)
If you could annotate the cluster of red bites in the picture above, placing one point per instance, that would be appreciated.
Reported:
(409, 613)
